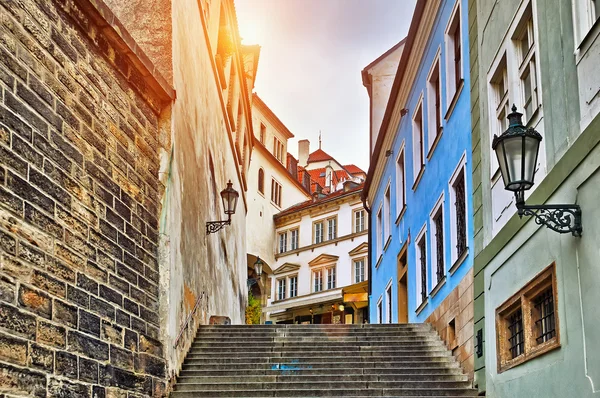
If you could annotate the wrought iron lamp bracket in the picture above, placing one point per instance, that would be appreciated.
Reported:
(215, 226)
(560, 218)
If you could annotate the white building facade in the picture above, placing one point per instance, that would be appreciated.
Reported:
(320, 270)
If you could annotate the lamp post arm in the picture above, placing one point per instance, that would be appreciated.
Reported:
(560, 218)
(215, 226)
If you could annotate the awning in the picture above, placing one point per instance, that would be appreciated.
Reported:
(357, 294)
(311, 299)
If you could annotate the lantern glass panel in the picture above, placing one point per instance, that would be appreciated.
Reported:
(531, 152)
(513, 148)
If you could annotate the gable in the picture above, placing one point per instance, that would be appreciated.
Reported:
(360, 249)
(287, 267)
(323, 259)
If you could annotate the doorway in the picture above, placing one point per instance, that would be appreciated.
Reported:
(402, 286)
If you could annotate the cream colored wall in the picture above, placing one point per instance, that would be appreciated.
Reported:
(344, 264)
(382, 76)
(194, 172)
(259, 117)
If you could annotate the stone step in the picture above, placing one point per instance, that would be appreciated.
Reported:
(247, 364)
(308, 344)
(345, 392)
(322, 385)
(294, 353)
(363, 335)
(267, 371)
(186, 378)
(322, 339)
(420, 326)
(340, 351)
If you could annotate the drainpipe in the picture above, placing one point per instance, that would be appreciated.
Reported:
(364, 200)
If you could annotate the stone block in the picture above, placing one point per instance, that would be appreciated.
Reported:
(112, 333)
(47, 283)
(149, 364)
(89, 323)
(66, 364)
(114, 377)
(103, 308)
(35, 301)
(78, 297)
(59, 388)
(150, 345)
(86, 345)
(131, 340)
(121, 358)
(13, 349)
(51, 334)
(21, 381)
(65, 313)
(41, 358)
(88, 370)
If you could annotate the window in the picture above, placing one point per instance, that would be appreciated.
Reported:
(294, 236)
(453, 54)
(434, 103)
(421, 248)
(418, 162)
(379, 237)
(332, 228)
(388, 298)
(458, 214)
(318, 231)
(359, 221)
(501, 106)
(380, 310)
(261, 181)
(278, 149)
(318, 280)
(293, 286)
(281, 288)
(525, 40)
(276, 193)
(437, 241)
(388, 213)
(359, 270)
(331, 278)
(400, 183)
(263, 133)
(282, 242)
(527, 323)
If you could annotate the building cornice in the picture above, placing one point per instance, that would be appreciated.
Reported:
(271, 116)
(293, 216)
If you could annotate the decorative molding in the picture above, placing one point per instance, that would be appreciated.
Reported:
(286, 267)
(360, 249)
(323, 259)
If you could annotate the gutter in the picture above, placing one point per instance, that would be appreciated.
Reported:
(369, 257)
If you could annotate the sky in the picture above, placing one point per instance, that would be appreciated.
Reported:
(312, 55)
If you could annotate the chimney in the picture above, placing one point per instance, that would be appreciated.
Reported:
(303, 151)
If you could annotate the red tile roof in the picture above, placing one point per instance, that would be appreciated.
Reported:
(316, 202)
(353, 169)
(319, 176)
(318, 156)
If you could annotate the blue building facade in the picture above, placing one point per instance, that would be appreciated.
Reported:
(420, 207)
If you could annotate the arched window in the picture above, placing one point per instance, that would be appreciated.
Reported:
(261, 180)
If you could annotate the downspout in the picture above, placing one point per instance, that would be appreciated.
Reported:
(364, 200)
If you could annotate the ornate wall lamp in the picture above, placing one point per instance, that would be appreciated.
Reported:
(517, 151)
(230, 198)
(258, 266)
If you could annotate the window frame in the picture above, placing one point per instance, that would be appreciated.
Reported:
(524, 299)
(389, 301)
(455, 259)
(294, 242)
(454, 80)
(355, 212)
(331, 273)
(418, 128)
(322, 230)
(278, 149)
(362, 260)
(295, 290)
(379, 237)
(280, 235)
(421, 301)
(400, 182)
(435, 118)
(335, 230)
(380, 310)
(263, 133)
(281, 295)
(438, 209)
(261, 181)
(387, 213)
(314, 280)
(276, 189)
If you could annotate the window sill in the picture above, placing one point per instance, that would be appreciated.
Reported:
(455, 97)
(261, 193)
(276, 205)
(438, 287)
(535, 352)
(379, 261)
(387, 243)
(587, 41)
(459, 261)
(422, 306)
(401, 214)
(418, 179)
(438, 137)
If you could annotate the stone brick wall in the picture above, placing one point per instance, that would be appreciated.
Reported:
(453, 320)
(79, 141)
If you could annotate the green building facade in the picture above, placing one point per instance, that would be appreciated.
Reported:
(537, 291)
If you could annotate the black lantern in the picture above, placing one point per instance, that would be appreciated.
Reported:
(230, 198)
(258, 265)
(517, 152)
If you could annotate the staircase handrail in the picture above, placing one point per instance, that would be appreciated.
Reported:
(187, 321)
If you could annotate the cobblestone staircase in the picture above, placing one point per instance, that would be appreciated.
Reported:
(320, 361)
